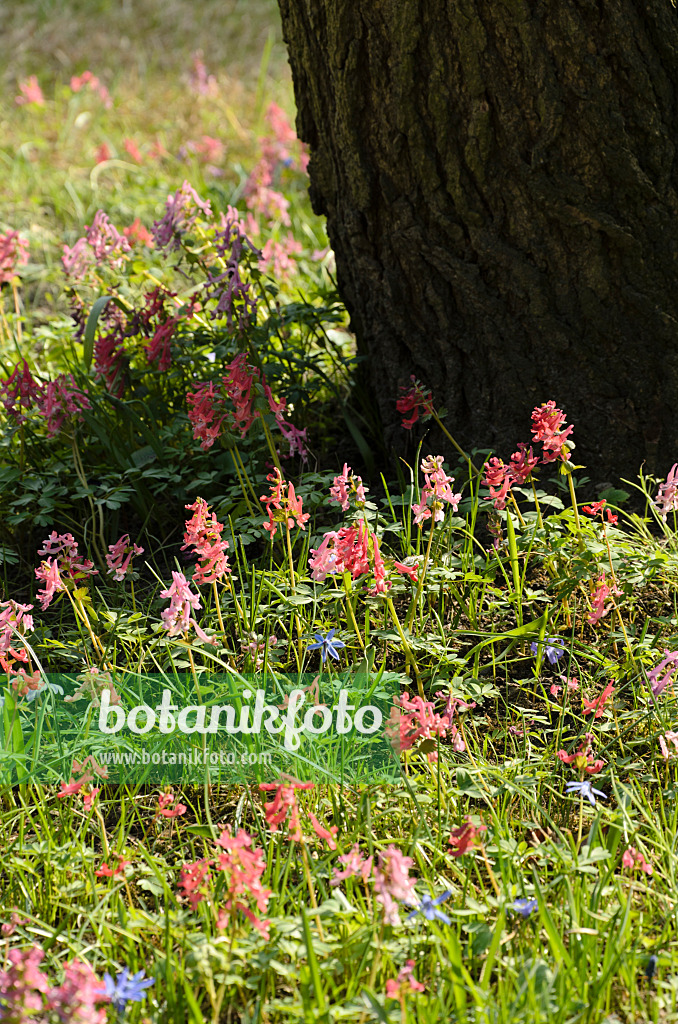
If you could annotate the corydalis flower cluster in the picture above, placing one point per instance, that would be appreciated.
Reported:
(390, 878)
(435, 493)
(239, 868)
(283, 505)
(414, 401)
(13, 254)
(177, 618)
(203, 534)
(548, 428)
(345, 486)
(62, 564)
(414, 720)
(55, 400)
(208, 410)
(26, 993)
(353, 549)
(102, 245)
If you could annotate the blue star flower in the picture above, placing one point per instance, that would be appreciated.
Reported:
(552, 649)
(125, 989)
(429, 908)
(586, 789)
(523, 906)
(326, 645)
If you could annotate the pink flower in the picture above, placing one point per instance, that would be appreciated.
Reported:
(272, 205)
(597, 509)
(102, 153)
(672, 737)
(13, 616)
(58, 400)
(194, 879)
(199, 80)
(177, 617)
(205, 537)
(23, 985)
(633, 860)
(242, 868)
(465, 838)
(204, 403)
(407, 570)
(521, 465)
(284, 804)
(107, 244)
(276, 257)
(133, 150)
(136, 233)
(601, 593)
(79, 260)
(548, 422)
(498, 479)
(339, 488)
(414, 401)
(354, 866)
(30, 93)
(598, 704)
(20, 390)
(158, 347)
(667, 497)
(13, 254)
(420, 722)
(658, 685)
(392, 882)
(93, 682)
(68, 565)
(323, 560)
(107, 872)
(583, 760)
(436, 492)
(78, 82)
(181, 212)
(48, 572)
(353, 549)
(283, 508)
(119, 558)
(404, 984)
(167, 806)
(323, 833)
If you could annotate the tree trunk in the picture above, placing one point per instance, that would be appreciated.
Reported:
(500, 186)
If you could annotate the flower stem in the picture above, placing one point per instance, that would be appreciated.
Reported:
(422, 574)
(409, 656)
(311, 891)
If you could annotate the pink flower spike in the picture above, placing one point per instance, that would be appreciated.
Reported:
(633, 860)
(354, 866)
(118, 560)
(323, 833)
(598, 704)
(404, 984)
(548, 423)
(13, 254)
(31, 93)
(658, 685)
(465, 838)
(413, 401)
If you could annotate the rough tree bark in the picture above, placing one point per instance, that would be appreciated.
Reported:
(499, 179)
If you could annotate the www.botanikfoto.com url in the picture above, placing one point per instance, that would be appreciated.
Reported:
(190, 757)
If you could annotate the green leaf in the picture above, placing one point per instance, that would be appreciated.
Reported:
(90, 327)
(313, 963)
